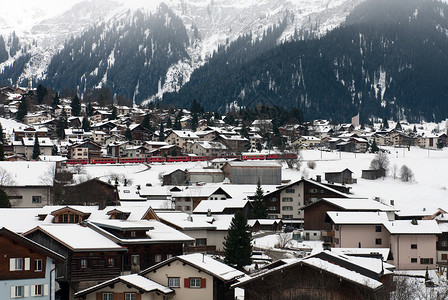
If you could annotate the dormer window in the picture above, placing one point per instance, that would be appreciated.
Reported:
(133, 234)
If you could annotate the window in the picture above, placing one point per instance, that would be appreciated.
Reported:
(272, 208)
(129, 296)
(378, 241)
(426, 261)
(201, 242)
(444, 243)
(158, 258)
(36, 199)
(444, 256)
(413, 260)
(37, 265)
(413, 246)
(287, 208)
(378, 228)
(168, 256)
(18, 291)
(287, 217)
(313, 199)
(173, 282)
(273, 200)
(135, 259)
(111, 262)
(38, 290)
(132, 233)
(108, 296)
(336, 241)
(287, 199)
(16, 264)
(83, 263)
(336, 227)
(313, 191)
(195, 282)
(290, 191)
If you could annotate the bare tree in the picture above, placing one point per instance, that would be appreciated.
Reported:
(406, 174)
(311, 164)
(394, 170)
(283, 240)
(6, 178)
(47, 178)
(292, 158)
(380, 162)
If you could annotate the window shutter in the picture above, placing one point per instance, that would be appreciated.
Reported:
(203, 281)
(138, 296)
(27, 264)
(12, 264)
(187, 282)
(98, 296)
(33, 290)
(121, 296)
(13, 291)
(46, 289)
(26, 291)
(116, 297)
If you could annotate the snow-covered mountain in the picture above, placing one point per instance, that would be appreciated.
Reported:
(43, 28)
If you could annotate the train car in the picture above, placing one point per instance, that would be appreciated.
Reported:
(77, 161)
(254, 156)
(103, 161)
(153, 159)
(178, 158)
(273, 156)
(132, 160)
(198, 158)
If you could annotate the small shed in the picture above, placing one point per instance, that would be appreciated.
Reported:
(249, 172)
(177, 177)
(373, 174)
(344, 176)
(205, 175)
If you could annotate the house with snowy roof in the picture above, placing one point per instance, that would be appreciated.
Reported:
(90, 257)
(26, 267)
(250, 172)
(180, 138)
(190, 197)
(206, 148)
(25, 147)
(412, 242)
(324, 275)
(28, 184)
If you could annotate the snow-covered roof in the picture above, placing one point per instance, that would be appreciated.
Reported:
(185, 134)
(355, 217)
(259, 164)
(358, 204)
(218, 206)
(135, 280)
(79, 238)
(410, 227)
(184, 221)
(211, 145)
(27, 173)
(384, 252)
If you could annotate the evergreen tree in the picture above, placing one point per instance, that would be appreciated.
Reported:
(244, 132)
(259, 211)
(41, 92)
(145, 122)
(54, 150)
(22, 110)
(169, 123)
(86, 124)
(2, 152)
(4, 200)
(61, 125)
(76, 106)
(1, 133)
(374, 148)
(3, 53)
(36, 148)
(415, 129)
(177, 125)
(237, 243)
(161, 132)
(440, 143)
(194, 122)
(56, 101)
(113, 116)
(128, 134)
(385, 124)
(89, 109)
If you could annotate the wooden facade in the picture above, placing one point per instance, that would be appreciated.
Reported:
(315, 215)
(91, 192)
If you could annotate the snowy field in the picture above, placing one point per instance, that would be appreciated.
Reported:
(427, 192)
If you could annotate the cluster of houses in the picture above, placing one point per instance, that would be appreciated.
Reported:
(101, 239)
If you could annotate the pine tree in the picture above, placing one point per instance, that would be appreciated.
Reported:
(36, 148)
(4, 200)
(374, 148)
(244, 132)
(145, 122)
(113, 115)
(86, 124)
(237, 243)
(54, 150)
(61, 125)
(128, 134)
(161, 132)
(259, 211)
(2, 152)
(56, 101)
(22, 110)
(89, 109)
(1, 133)
(41, 92)
(194, 122)
(76, 106)
(169, 123)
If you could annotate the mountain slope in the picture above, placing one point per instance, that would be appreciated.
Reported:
(386, 61)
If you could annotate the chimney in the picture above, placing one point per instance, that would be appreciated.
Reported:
(318, 178)
(414, 222)
(326, 246)
(209, 212)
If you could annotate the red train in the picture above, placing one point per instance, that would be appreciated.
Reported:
(153, 159)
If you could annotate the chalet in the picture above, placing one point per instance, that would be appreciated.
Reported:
(28, 184)
(250, 172)
(344, 176)
(373, 174)
(189, 198)
(234, 143)
(432, 141)
(25, 147)
(26, 267)
(286, 201)
(90, 257)
(180, 138)
(38, 117)
(324, 275)
(412, 242)
(206, 148)
(84, 150)
(307, 142)
(29, 132)
(196, 276)
(90, 192)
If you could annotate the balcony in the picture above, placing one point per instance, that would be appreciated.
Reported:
(328, 233)
(200, 249)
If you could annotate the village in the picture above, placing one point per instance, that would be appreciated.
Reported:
(120, 202)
